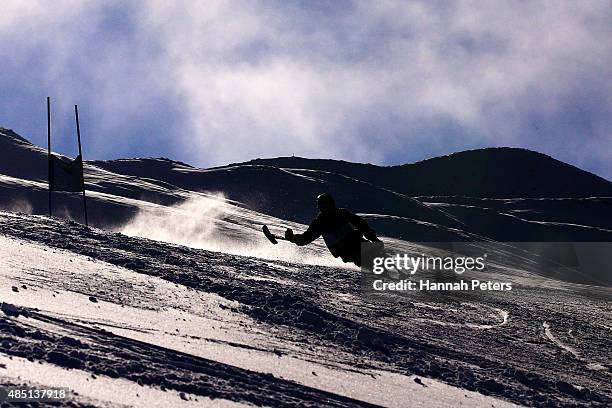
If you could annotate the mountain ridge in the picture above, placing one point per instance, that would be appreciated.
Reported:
(430, 203)
(495, 172)
(486, 173)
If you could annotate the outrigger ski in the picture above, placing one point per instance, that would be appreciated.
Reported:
(271, 237)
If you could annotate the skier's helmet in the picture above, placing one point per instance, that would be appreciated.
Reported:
(325, 202)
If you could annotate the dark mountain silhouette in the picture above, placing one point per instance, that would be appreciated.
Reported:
(561, 202)
(434, 200)
(493, 172)
(20, 158)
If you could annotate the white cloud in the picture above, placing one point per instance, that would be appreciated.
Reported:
(358, 81)
(262, 81)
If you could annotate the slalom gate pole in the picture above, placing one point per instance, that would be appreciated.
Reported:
(49, 169)
(76, 114)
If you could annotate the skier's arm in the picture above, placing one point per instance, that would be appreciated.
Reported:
(362, 226)
(313, 232)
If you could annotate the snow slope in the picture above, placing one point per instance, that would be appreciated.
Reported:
(153, 320)
(285, 187)
(207, 312)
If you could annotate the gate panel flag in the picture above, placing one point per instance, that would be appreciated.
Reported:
(66, 175)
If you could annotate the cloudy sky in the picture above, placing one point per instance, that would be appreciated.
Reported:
(212, 82)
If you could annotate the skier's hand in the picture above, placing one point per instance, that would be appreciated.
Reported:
(371, 236)
(289, 235)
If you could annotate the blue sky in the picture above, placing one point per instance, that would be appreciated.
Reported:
(385, 82)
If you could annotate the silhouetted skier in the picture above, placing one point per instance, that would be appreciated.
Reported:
(343, 231)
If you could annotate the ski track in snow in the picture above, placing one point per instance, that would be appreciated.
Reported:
(503, 315)
(87, 389)
(551, 337)
(549, 334)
